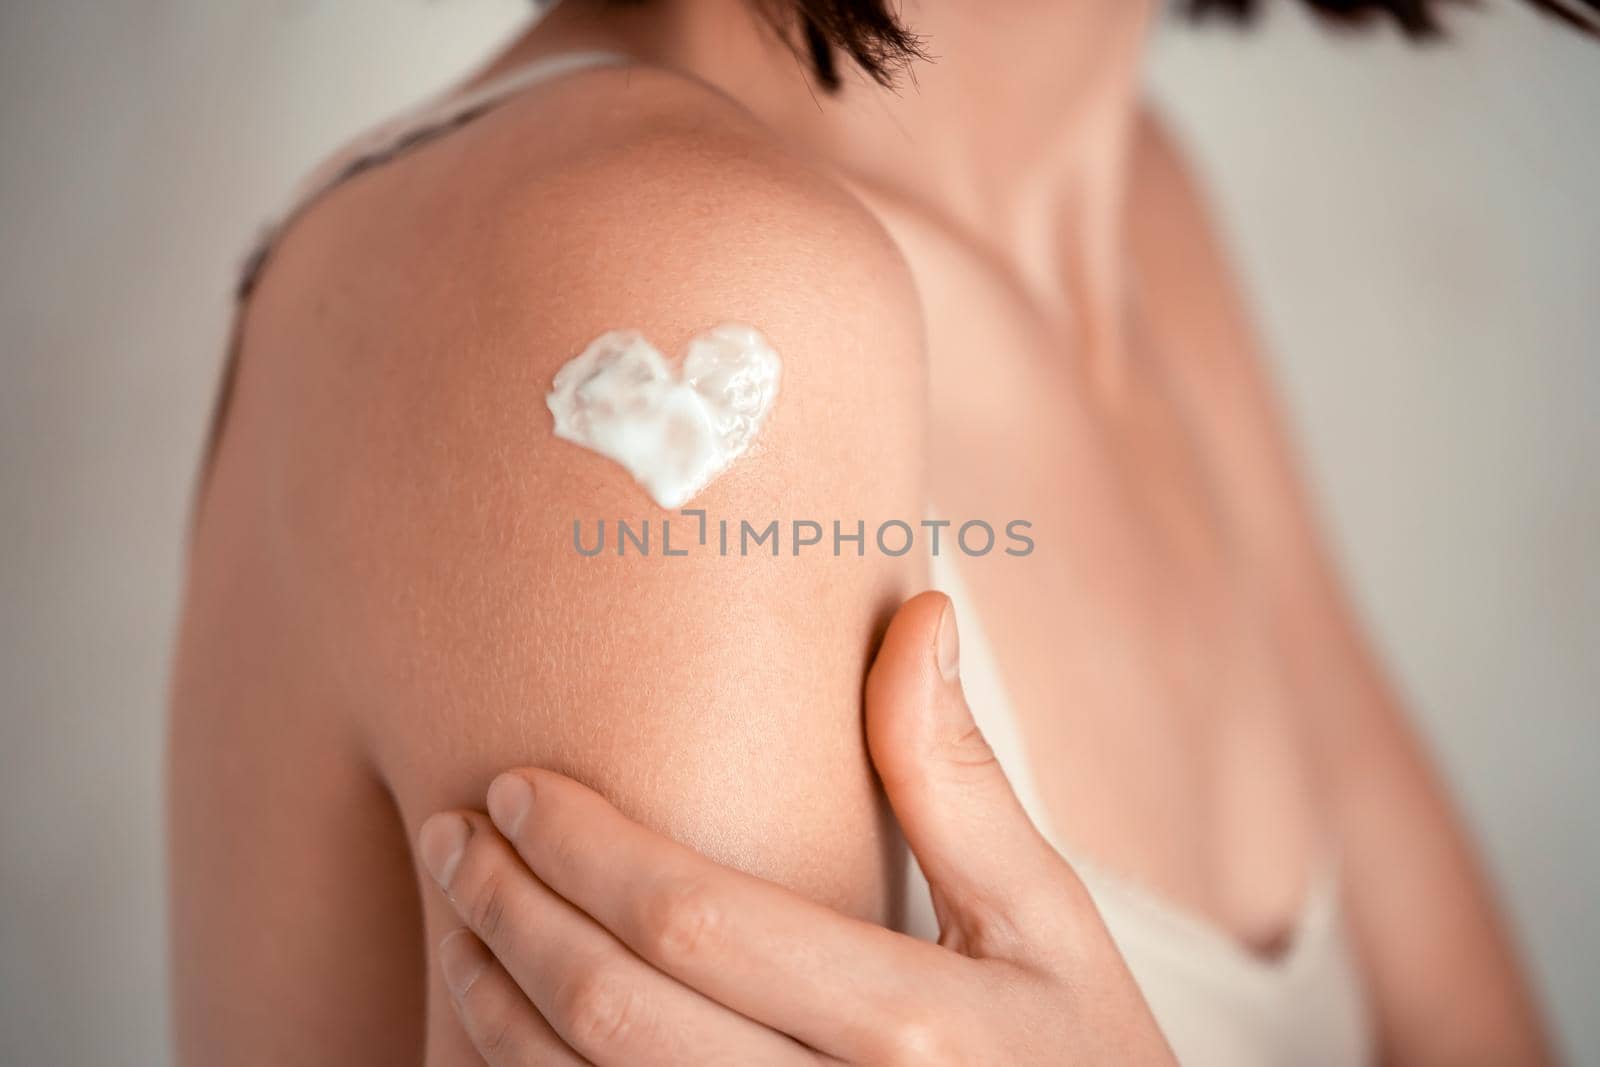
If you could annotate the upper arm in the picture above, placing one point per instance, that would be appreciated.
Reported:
(422, 511)
(294, 918)
(1443, 977)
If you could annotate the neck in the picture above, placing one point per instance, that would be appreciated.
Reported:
(1017, 133)
(1021, 129)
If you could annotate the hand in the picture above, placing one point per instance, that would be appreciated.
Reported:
(591, 939)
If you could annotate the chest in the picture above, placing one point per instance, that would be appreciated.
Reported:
(1135, 642)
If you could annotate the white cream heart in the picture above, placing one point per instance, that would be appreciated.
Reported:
(674, 432)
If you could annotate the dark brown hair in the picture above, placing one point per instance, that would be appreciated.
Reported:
(869, 33)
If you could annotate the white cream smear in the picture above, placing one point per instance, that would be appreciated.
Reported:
(675, 431)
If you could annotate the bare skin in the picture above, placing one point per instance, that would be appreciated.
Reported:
(385, 611)
(645, 952)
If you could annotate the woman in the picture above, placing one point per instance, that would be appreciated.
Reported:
(997, 300)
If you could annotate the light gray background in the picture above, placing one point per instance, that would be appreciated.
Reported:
(1419, 230)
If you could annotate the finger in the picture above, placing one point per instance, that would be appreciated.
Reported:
(841, 985)
(502, 1025)
(997, 883)
(604, 1002)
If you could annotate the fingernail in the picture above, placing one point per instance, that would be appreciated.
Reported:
(461, 960)
(442, 840)
(949, 644)
(510, 797)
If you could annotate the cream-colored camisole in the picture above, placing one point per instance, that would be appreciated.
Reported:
(1217, 1003)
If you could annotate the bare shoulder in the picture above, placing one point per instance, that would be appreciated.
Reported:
(391, 432)
(444, 289)
(602, 198)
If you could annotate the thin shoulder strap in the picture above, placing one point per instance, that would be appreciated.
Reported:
(540, 68)
(450, 109)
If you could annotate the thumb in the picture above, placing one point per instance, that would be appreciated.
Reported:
(988, 866)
